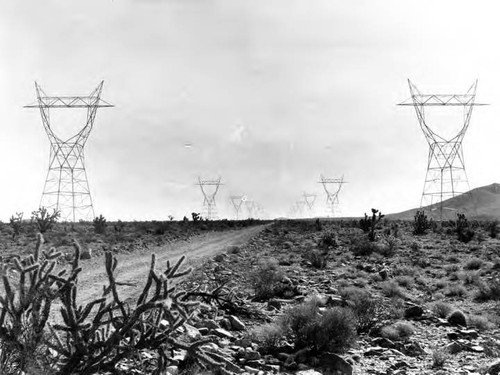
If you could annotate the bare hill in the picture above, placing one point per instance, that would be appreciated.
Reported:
(480, 203)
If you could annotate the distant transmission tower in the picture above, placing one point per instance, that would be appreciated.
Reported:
(309, 200)
(446, 176)
(66, 187)
(237, 201)
(332, 188)
(209, 188)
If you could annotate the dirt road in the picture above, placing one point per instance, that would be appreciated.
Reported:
(133, 268)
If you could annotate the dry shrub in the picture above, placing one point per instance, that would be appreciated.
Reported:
(267, 279)
(334, 329)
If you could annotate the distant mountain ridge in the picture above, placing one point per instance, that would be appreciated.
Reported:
(481, 203)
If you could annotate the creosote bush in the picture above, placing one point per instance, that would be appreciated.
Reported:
(267, 279)
(365, 307)
(333, 329)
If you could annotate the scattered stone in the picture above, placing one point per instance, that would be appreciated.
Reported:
(210, 324)
(383, 273)
(172, 370)
(373, 351)
(308, 372)
(252, 355)
(86, 254)
(236, 323)
(383, 342)
(414, 311)
(468, 334)
(335, 364)
(192, 333)
(222, 333)
(251, 370)
(225, 323)
(494, 368)
(454, 348)
(273, 304)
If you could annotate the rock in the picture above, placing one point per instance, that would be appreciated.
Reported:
(243, 342)
(203, 330)
(256, 363)
(334, 363)
(222, 333)
(414, 311)
(468, 334)
(210, 324)
(225, 323)
(273, 304)
(384, 342)
(383, 273)
(251, 370)
(308, 372)
(457, 318)
(494, 368)
(172, 370)
(236, 323)
(251, 355)
(454, 348)
(476, 348)
(372, 351)
(453, 335)
(86, 254)
(191, 332)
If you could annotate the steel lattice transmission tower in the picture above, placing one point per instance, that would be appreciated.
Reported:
(332, 188)
(209, 188)
(309, 200)
(446, 176)
(66, 187)
(237, 201)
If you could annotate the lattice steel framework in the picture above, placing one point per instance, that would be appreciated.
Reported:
(309, 200)
(66, 187)
(446, 176)
(237, 201)
(332, 187)
(209, 188)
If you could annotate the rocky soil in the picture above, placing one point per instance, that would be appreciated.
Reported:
(436, 309)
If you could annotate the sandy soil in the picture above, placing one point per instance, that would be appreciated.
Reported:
(133, 268)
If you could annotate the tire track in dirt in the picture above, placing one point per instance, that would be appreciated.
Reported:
(133, 268)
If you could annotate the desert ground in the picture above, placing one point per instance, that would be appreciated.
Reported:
(297, 296)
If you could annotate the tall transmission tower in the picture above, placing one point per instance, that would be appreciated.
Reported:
(309, 200)
(446, 176)
(237, 201)
(66, 187)
(332, 188)
(209, 188)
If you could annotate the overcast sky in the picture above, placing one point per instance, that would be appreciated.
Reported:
(270, 93)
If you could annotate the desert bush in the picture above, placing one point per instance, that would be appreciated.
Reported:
(488, 290)
(196, 216)
(455, 290)
(267, 279)
(392, 289)
(420, 223)
(44, 220)
(317, 259)
(439, 358)
(100, 225)
(464, 231)
(493, 228)
(365, 307)
(389, 247)
(405, 281)
(363, 247)
(332, 330)
(369, 225)
(328, 240)
(441, 309)
(268, 336)
(473, 264)
(399, 331)
(479, 322)
(469, 277)
(16, 223)
(457, 317)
